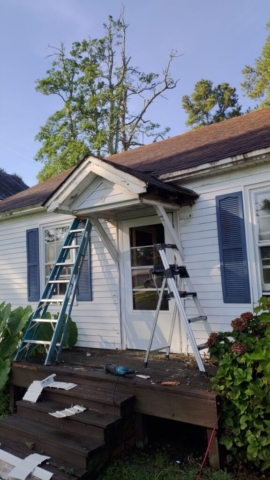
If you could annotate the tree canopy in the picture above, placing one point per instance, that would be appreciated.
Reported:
(208, 104)
(104, 101)
(257, 78)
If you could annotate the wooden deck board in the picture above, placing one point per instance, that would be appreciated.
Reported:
(193, 401)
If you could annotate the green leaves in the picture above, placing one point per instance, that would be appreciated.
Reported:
(243, 382)
(13, 324)
(257, 79)
(96, 84)
(4, 372)
(208, 104)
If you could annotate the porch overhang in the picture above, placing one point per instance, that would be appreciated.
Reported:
(101, 189)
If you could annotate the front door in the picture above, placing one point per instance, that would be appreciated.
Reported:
(140, 288)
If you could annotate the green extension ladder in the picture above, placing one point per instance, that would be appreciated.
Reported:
(78, 228)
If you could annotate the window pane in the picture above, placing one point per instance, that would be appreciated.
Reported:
(147, 300)
(54, 238)
(262, 203)
(49, 252)
(142, 278)
(144, 256)
(266, 275)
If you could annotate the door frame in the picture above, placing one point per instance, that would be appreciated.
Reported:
(125, 271)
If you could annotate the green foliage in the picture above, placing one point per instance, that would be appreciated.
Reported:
(104, 101)
(13, 324)
(46, 332)
(208, 104)
(257, 78)
(243, 381)
(12, 327)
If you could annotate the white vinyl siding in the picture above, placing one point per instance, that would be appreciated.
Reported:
(198, 233)
(98, 321)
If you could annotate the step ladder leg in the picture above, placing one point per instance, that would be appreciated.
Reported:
(171, 331)
(189, 331)
(155, 322)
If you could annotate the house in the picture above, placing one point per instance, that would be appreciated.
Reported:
(213, 187)
(10, 184)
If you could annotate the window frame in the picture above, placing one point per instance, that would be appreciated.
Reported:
(257, 242)
(42, 269)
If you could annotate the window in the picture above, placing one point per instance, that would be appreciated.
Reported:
(53, 241)
(262, 211)
(143, 257)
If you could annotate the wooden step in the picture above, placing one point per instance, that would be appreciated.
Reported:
(52, 441)
(87, 424)
(59, 468)
(104, 401)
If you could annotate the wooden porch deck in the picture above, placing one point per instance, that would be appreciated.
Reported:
(192, 401)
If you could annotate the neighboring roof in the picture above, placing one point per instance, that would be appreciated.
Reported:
(10, 185)
(222, 140)
(36, 195)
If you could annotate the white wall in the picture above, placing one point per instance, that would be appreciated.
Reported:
(98, 321)
(199, 237)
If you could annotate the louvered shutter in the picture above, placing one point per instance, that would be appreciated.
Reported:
(232, 248)
(32, 248)
(84, 291)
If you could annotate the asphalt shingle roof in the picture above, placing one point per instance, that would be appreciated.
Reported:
(222, 140)
(10, 185)
(232, 137)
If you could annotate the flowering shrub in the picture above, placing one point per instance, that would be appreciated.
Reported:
(243, 382)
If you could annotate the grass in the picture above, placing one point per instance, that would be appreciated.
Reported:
(175, 452)
(159, 466)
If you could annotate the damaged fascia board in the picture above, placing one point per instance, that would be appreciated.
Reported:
(36, 387)
(63, 385)
(68, 411)
(27, 466)
(16, 462)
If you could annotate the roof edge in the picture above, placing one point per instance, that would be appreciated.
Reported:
(217, 166)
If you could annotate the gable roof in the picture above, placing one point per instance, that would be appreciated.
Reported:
(10, 185)
(36, 195)
(239, 135)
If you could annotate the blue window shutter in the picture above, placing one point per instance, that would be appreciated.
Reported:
(32, 248)
(84, 292)
(232, 248)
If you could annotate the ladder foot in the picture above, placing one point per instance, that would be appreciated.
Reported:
(167, 356)
(145, 364)
(203, 374)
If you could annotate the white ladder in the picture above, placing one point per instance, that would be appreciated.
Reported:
(170, 274)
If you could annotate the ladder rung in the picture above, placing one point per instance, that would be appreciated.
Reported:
(50, 300)
(184, 294)
(65, 264)
(44, 320)
(40, 342)
(70, 247)
(197, 319)
(79, 230)
(58, 281)
(202, 346)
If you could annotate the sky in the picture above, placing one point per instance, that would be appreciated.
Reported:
(215, 40)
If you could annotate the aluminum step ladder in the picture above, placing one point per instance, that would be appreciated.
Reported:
(173, 277)
(79, 229)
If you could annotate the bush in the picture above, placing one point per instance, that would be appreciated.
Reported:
(13, 324)
(12, 328)
(243, 382)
